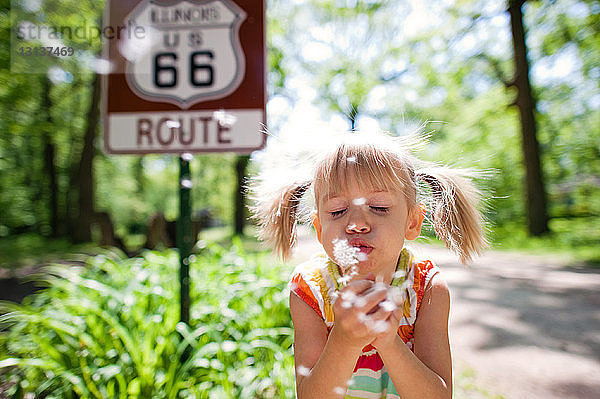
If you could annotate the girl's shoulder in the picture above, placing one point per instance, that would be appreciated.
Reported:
(313, 282)
(421, 268)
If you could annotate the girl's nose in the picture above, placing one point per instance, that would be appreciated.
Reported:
(356, 226)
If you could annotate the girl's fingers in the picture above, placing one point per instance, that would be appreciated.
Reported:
(357, 286)
(370, 299)
(379, 313)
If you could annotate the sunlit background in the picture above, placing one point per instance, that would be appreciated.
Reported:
(443, 66)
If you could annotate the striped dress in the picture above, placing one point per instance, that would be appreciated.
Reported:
(316, 282)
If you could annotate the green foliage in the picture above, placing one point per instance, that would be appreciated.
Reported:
(110, 329)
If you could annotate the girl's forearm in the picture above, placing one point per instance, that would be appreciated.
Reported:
(411, 377)
(329, 376)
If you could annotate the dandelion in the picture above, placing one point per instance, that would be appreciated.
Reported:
(345, 255)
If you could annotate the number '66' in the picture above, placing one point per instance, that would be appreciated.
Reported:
(201, 74)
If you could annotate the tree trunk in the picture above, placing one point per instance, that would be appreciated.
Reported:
(84, 176)
(49, 154)
(241, 163)
(537, 214)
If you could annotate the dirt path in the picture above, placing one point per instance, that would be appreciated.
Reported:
(528, 326)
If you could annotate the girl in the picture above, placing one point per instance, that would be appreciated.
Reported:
(370, 320)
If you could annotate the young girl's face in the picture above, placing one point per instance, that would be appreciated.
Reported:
(376, 222)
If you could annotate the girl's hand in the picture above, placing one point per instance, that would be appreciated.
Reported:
(358, 316)
(388, 335)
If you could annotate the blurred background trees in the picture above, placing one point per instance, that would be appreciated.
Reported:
(355, 64)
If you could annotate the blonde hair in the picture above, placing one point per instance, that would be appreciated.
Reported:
(376, 161)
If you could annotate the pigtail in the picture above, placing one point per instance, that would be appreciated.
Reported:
(454, 210)
(277, 216)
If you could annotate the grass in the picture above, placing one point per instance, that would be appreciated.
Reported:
(575, 239)
(110, 329)
(466, 387)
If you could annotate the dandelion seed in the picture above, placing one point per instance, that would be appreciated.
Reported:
(362, 256)
(134, 48)
(351, 159)
(339, 390)
(379, 326)
(400, 274)
(186, 183)
(359, 201)
(344, 254)
(364, 318)
(102, 66)
(344, 280)
(348, 296)
(360, 302)
(396, 295)
(224, 119)
(303, 370)
(388, 305)
(186, 156)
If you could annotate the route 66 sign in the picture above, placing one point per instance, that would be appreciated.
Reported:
(185, 64)
(186, 76)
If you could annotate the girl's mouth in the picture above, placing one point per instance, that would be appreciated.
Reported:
(362, 246)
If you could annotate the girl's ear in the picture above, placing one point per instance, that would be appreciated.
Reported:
(415, 221)
(317, 225)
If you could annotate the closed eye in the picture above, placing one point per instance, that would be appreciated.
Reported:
(380, 209)
(337, 213)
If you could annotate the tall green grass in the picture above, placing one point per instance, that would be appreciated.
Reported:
(110, 329)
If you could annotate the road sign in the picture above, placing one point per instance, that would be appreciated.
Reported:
(185, 76)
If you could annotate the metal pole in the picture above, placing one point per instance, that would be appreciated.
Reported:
(184, 235)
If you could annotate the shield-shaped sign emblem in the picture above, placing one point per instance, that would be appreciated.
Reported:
(190, 51)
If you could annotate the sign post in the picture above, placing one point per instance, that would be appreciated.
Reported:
(185, 76)
(185, 241)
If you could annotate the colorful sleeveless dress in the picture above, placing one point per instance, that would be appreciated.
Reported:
(316, 282)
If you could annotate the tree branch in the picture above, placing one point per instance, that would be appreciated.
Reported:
(495, 65)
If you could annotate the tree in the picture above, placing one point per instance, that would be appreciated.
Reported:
(49, 155)
(537, 213)
(83, 180)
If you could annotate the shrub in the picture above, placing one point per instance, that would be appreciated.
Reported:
(110, 329)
